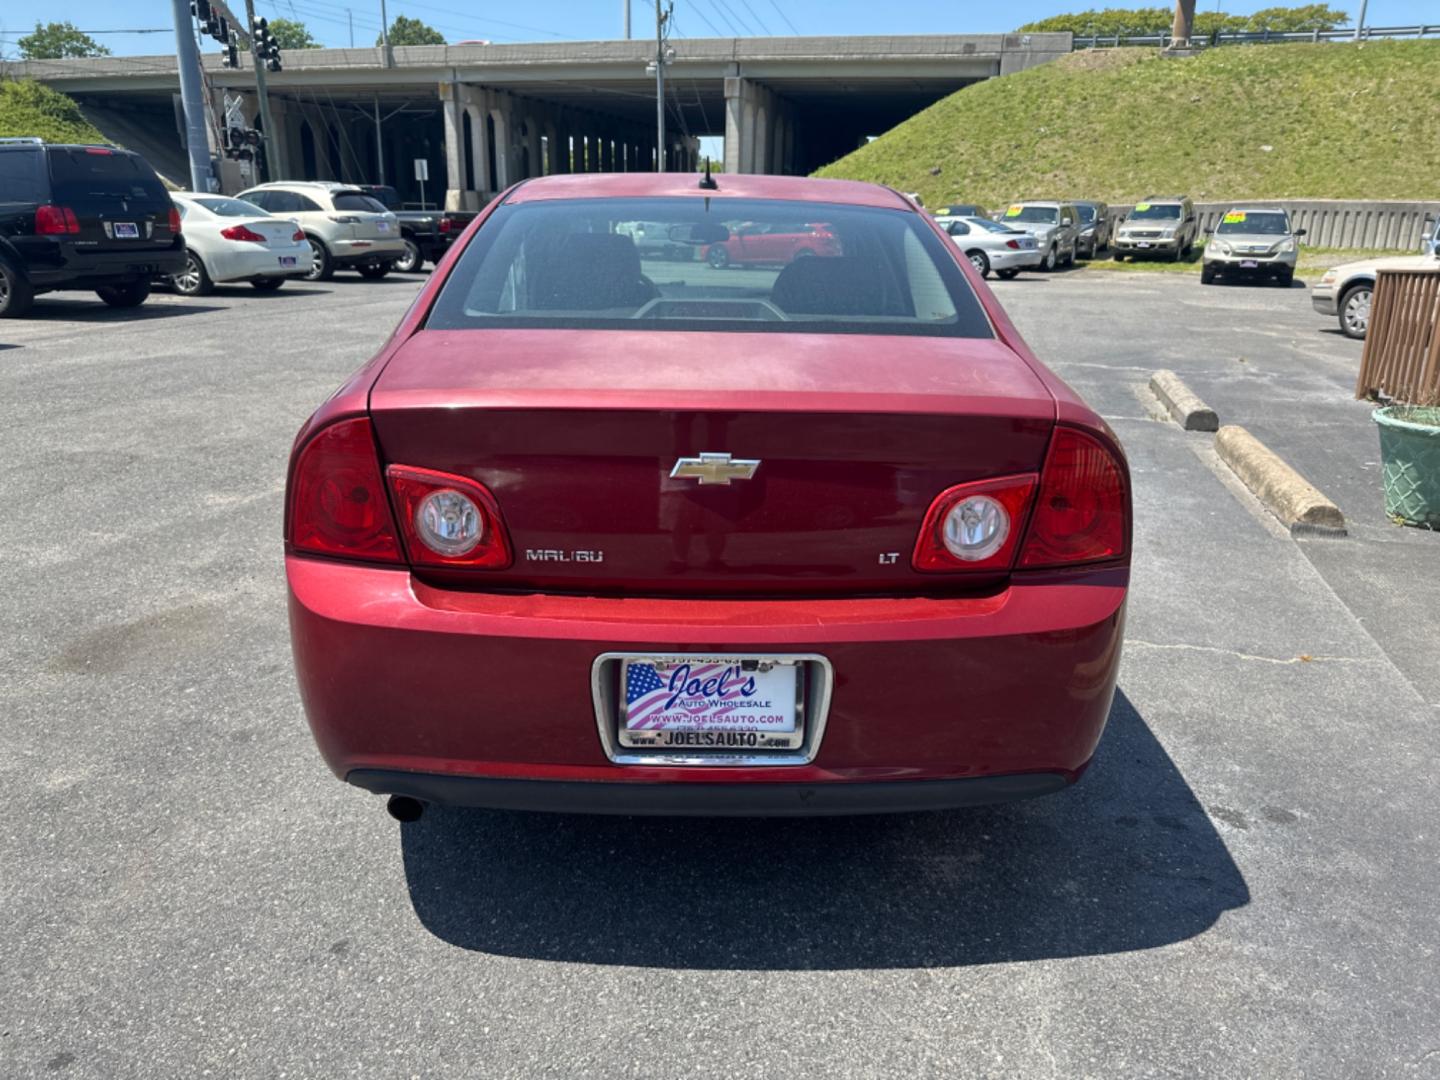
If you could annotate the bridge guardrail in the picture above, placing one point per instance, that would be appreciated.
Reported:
(1259, 37)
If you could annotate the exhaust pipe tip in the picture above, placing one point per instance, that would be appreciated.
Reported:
(405, 809)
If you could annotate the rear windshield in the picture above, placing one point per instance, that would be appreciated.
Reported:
(356, 201)
(1248, 221)
(988, 225)
(79, 175)
(1044, 215)
(387, 196)
(1155, 212)
(21, 178)
(709, 264)
(231, 208)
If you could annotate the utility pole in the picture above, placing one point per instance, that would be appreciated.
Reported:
(662, 19)
(274, 162)
(388, 60)
(192, 98)
(350, 21)
(625, 4)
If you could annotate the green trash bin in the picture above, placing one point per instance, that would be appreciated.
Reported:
(1410, 462)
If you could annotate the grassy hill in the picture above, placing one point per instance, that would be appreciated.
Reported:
(1264, 121)
(27, 108)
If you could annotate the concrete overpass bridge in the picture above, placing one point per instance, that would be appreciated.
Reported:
(484, 116)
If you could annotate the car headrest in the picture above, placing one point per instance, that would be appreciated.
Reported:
(589, 272)
(832, 285)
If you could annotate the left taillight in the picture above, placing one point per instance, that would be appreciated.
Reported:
(244, 233)
(1082, 512)
(175, 221)
(448, 520)
(338, 505)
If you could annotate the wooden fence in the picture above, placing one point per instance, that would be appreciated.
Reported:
(1402, 345)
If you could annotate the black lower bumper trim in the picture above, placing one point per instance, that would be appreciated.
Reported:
(701, 799)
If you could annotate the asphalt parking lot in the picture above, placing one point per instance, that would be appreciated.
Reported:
(1243, 885)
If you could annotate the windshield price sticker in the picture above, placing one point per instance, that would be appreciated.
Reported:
(1234, 217)
(1013, 211)
(1142, 206)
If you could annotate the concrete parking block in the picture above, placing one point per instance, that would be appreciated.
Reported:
(1184, 404)
(1299, 505)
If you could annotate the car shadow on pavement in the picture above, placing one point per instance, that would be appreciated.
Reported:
(1126, 860)
(99, 312)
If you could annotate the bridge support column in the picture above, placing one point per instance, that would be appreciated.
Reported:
(466, 176)
(504, 150)
(755, 117)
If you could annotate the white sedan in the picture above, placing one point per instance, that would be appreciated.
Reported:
(232, 240)
(990, 245)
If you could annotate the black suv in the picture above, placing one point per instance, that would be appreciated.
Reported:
(82, 217)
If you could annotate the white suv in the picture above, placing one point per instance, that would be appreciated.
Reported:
(345, 226)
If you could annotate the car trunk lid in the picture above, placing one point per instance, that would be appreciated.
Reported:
(577, 434)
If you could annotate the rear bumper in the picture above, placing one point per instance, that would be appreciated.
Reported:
(709, 800)
(1015, 260)
(357, 252)
(89, 270)
(401, 677)
(261, 262)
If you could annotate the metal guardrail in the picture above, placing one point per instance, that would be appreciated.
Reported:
(1402, 346)
(1261, 37)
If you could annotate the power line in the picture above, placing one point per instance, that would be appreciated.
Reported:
(496, 22)
(707, 22)
(765, 29)
(30, 33)
(730, 30)
(779, 11)
(730, 13)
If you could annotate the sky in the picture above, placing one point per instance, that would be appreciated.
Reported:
(557, 20)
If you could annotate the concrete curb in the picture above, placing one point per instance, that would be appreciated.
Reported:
(1189, 411)
(1285, 493)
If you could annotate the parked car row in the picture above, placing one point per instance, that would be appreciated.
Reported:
(98, 218)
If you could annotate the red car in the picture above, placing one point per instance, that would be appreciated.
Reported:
(591, 534)
(760, 243)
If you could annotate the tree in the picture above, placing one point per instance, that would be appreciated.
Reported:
(292, 34)
(407, 31)
(28, 108)
(58, 40)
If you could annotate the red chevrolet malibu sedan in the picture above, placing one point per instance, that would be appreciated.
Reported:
(596, 532)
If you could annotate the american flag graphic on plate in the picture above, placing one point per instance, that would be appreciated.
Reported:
(709, 695)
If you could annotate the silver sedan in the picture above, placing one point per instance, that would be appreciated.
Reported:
(989, 245)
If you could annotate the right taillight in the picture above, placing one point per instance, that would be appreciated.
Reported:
(1081, 511)
(338, 504)
(55, 221)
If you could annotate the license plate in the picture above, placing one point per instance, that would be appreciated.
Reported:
(383, 226)
(1248, 264)
(127, 230)
(287, 260)
(727, 703)
(1143, 243)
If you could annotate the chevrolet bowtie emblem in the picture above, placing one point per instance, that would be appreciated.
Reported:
(713, 469)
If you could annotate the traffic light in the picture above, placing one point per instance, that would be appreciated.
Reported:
(232, 51)
(266, 48)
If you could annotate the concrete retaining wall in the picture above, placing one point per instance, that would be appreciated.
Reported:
(1338, 223)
